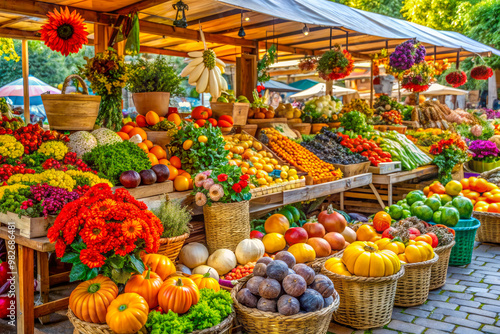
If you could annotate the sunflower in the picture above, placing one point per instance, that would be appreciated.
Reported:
(65, 32)
(91, 258)
(131, 228)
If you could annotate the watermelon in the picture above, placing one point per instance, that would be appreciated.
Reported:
(464, 206)
(449, 216)
(415, 196)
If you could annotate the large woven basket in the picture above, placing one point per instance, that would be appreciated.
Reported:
(413, 287)
(365, 302)
(489, 231)
(83, 327)
(226, 224)
(171, 247)
(318, 263)
(440, 268)
(255, 321)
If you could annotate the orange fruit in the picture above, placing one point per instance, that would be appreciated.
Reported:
(491, 186)
(162, 118)
(138, 131)
(480, 203)
(245, 164)
(426, 191)
(127, 128)
(153, 159)
(465, 183)
(244, 170)
(494, 207)
(175, 161)
(149, 144)
(191, 184)
(175, 118)
(180, 171)
(472, 195)
(495, 198)
(159, 152)
(164, 162)
(152, 118)
(483, 208)
(132, 124)
(481, 185)
(495, 191)
(181, 183)
(472, 183)
(123, 135)
(187, 144)
(141, 121)
(252, 171)
(186, 174)
(233, 163)
(173, 172)
(143, 147)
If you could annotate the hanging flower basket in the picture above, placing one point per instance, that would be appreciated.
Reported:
(456, 78)
(335, 64)
(419, 78)
(308, 64)
(406, 55)
(481, 72)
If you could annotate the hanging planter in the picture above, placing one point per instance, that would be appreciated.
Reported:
(481, 72)
(418, 79)
(335, 64)
(406, 55)
(456, 78)
(308, 64)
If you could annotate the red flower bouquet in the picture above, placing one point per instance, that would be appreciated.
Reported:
(448, 153)
(104, 233)
(456, 78)
(481, 72)
(335, 64)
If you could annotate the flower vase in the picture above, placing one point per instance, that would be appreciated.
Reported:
(226, 224)
(488, 166)
(110, 112)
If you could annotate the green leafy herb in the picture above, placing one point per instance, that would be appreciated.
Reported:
(175, 218)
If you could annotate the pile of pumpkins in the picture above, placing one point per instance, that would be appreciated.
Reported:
(317, 238)
(97, 300)
(194, 258)
(284, 286)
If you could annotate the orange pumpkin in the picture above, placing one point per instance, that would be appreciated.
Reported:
(90, 299)
(127, 314)
(277, 223)
(175, 118)
(178, 294)
(159, 264)
(382, 221)
(147, 285)
(205, 281)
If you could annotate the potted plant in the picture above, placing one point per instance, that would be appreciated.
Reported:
(152, 83)
(224, 194)
(175, 219)
(484, 155)
(448, 155)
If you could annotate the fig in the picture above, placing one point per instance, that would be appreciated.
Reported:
(130, 179)
(148, 176)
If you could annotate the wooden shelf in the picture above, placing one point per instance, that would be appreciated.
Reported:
(404, 175)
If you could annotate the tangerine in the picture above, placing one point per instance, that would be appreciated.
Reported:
(173, 172)
(153, 159)
(481, 185)
(159, 152)
(472, 183)
(132, 124)
(187, 144)
(181, 183)
(494, 207)
(491, 186)
(465, 183)
(175, 161)
(175, 118)
(152, 118)
(164, 162)
(143, 147)
(149, 144)
(138, 131)
(127, 128)
(141, 121)
(123, 135)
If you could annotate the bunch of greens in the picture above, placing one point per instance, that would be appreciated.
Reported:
(212, 308)
(112, 160)
(267, 60)
(466, 131)
(202, 155)
(356, 122)
(175, 218)
(154, 76)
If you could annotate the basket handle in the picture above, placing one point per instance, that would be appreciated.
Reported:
(77, 77)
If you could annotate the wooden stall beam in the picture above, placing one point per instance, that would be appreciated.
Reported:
(217, 16)
(13, 21)
(291, 33)
(253, 26)
(19, 34)
(160, 51)
(323, 39)
(26, 84)
(139, 6)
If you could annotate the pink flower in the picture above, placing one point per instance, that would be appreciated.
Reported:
(222, 177)
(200, 179)
(200, 199)
(207, 172)
(237, 188)
(216, 192)
(208, 183)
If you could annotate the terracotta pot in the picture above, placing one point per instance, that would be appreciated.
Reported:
(155, 101)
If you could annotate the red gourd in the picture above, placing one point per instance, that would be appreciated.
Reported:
(332, 220)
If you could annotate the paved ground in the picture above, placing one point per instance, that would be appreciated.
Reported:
(469, 303)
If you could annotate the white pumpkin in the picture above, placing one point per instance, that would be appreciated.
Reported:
(203, 269)
(222, 260)
(249, 250)
(182, 268)
(193, 255)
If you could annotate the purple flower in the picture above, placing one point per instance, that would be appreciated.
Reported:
(483, 149)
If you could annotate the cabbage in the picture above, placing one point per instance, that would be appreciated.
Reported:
(106, 137)
(81, 142)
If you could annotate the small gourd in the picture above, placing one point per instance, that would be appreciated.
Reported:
(193, 255)
(249, 250)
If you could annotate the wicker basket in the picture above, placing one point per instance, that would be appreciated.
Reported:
(226, 224)
(440, 268)
(365, 302)
(171, 247)
(413, 287)
(71, 111)
(255, 321)
(318, 263)
(489, 231)
(82, 327)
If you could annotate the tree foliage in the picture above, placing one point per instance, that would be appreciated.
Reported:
(390, 8)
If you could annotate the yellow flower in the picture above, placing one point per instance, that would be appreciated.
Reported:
(10, 147)
(55, 149)
(51, 177)
(14, 187)
(91, 177)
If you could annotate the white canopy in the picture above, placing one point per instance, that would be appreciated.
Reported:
(320, 89)
(437, 89)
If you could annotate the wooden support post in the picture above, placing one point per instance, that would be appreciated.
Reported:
(26, 84)
(371, 83)
(25, 298)
(42, 264)
(329, 87)
(246, 73)
(101, 38)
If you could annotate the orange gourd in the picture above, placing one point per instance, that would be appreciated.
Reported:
(424, 237)
(366, 233)
(178, 294)
(277, 223)
(152, 118)
(205, 281)
(147, 285)
(382, 221)
(159, 264)
(127, 314)
(90, 299)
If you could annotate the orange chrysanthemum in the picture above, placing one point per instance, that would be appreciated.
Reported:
(65, 32)
(131, 228)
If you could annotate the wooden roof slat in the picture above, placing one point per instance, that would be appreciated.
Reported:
(292, 33)
(253, 26)
(138, 6)
(216, 16)
(13, 21)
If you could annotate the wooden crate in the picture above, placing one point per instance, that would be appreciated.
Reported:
(303, 128)
(251, 129)
(266, 122)
(294, 120)
(28, 227)
(239, 111)
(386, 168)
(385, 128)
(160, 138)
(151, 190)
(354, 169)
(197, 233)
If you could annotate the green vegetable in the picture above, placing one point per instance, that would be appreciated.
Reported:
(355, 121)
(112, 160)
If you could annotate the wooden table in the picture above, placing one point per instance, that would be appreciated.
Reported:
(390, 179)
(25, 292)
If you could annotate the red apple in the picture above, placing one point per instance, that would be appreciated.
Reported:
(414, 231)
(296, 235)
(256, 234)
(387, 233)
(314, 230)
